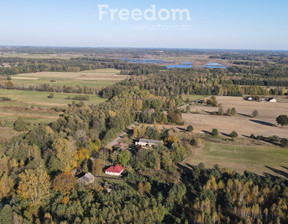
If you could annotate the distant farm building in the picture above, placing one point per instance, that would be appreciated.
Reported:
(114, 170)
(148, 142)
(88, 178)
(272, 100)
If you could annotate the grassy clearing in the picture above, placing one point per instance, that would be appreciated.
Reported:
(196, 97)
(35, 106)
(96, 78)
(260, 160)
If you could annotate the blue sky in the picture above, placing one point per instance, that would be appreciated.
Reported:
(214, 24)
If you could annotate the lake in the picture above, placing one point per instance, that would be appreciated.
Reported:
(145, 61)
(169, 65)
(184, 64)
(214, 65)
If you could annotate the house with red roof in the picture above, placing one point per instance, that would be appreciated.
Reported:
(115, 170)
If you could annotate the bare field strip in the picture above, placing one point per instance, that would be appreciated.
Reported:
(265, 124)
(25, 78)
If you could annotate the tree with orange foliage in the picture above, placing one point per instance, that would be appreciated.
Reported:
(172, 139)
(141, 188)
(82, 154)
(65, 200)
(64, 183)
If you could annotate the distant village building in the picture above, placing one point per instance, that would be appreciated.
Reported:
(272, 100)
(114, 170)
(5, 65)
(148, 142)
(88, 178)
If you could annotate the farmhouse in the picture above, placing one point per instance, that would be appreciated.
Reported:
(148, 142)
(88, 178)
(114, 170)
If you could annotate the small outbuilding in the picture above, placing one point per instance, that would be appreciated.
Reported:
(148, 142)
(114, 170)
(272, 100)
(87, 179)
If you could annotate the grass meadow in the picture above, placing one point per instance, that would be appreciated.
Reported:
(96, 78)
(35, 106)
(256, 159)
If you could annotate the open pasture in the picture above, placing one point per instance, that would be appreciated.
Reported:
(35, 106)
(96, 78)
(243, 123)
(256, 159)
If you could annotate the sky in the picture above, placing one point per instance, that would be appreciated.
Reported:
(212, 24)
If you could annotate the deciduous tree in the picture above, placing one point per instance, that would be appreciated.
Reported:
(65, 152)
(34, 185)
(64, 183)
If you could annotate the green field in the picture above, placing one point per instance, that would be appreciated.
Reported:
(35, 106)
(257, 159)
(195, 97)
(95, 78)
(38, 56)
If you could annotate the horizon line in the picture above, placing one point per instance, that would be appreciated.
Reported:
(164, 48)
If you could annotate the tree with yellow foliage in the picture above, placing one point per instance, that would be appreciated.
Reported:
(65, 152)
(34, 185)
(6, 182)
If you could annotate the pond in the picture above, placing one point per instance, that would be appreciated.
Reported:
(214, 65)
(170, 65)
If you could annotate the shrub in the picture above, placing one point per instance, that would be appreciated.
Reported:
(51, 96)
(233, 111)
(212, 102)
(196, 142)
(220, 110)
(255, 113)
(233, 134)
(282, 120)
(284, 142)
(190, 128)
(214, 132)
(20, 125)
(5, 98)
(259, 137)
(252, 136)
(2, 123)
(273, 138)
(80, 97)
